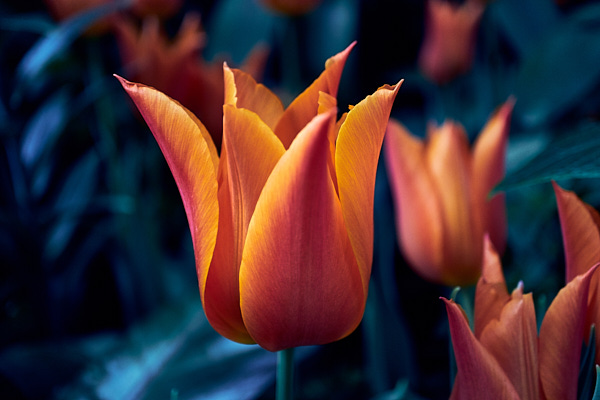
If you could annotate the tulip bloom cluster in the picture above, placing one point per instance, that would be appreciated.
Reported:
(505, 358)
(281, 221)
(441, 188)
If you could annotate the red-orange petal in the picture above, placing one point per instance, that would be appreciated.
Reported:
(242, 91)
(488, 170)
(305, 106)
(416, 203)
(581, 232)
(448, 160)
(249, 153)
(478, 371)
(561, 338)
(356, 156)
(491, 294)
(512, 341)
(299, 281)
(193, 161)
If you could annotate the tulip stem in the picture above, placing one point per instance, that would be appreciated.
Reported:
(285, 374)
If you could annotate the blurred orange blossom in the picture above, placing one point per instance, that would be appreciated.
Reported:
(450, 36)
(440, 189)
(505, 358)
(63, 9)
(176, 67)
(291, 7)
(282, 220)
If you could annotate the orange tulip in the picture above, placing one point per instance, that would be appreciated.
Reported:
(176, 68)
(450, 36)
(282, 221)
(505, 358)
(441, 189)
(63, 9)
(291, 7)
(580, 224)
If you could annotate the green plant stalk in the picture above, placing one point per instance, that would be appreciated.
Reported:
(285, 374)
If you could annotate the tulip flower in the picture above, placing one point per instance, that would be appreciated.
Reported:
(505, 358)
(291, 7)
(281, 221)
(441, 190)
(448, 46)
(63, 9)
(176, 68)
(580, 224)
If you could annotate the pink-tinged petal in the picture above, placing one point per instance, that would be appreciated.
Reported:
(581, 232)
(417, 207)
(489, 155)
(249, 153)
(561, 338)
(193, 160)
(449, 164)
(478, 372)
(580, 226)
(299, 281)
(305, 106)
(512, 341)
(491, 294)
(356, 157)
(242, 91)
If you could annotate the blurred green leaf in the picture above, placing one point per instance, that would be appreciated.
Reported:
(35, 23)
(525, 32)
(597, 388)
(572, 155)
(44, 127)
(73, 199)
(559, 73)
(48, 48)
(587, 375)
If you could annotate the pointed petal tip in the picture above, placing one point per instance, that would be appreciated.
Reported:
(124, 82)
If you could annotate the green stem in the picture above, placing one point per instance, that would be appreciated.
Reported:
(285, 374)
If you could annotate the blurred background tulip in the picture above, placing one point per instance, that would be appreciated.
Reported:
(441, 189)
(176, 67)
(291, 7)
(448, 46)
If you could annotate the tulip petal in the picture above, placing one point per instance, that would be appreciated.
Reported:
(512, 341)
(580, 226)
(193, 160)
(491, 294)
(449, 163)
(356, 157)
(249, 153)
(488, 170)
(477, 371)
(305, 106)
(299, 281)
(242, 91)
(417, 207)
(561, 338)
